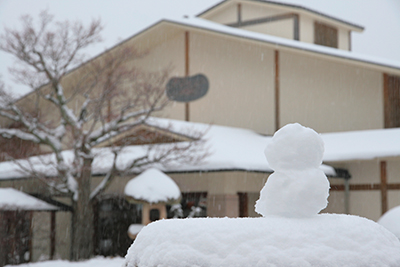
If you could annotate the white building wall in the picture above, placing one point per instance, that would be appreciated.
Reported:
(329, 96)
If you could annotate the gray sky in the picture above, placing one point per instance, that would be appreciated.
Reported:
(123, 18)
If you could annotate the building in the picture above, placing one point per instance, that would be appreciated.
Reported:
(268, 64)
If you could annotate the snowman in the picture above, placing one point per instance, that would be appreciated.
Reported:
(298, 187)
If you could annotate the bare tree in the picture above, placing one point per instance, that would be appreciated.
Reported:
(78, 109)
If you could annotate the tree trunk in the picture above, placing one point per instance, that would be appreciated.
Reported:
(82, 217)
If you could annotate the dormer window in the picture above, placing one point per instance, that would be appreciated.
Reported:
(325, 35)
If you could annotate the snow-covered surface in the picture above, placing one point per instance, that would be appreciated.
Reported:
(12, 199)
(219, 28)
(281, 237)
(231, 149)
(323, 240)
(95, 262)
(391, 221)
(297, 188)
(153, 186)
(134, 229)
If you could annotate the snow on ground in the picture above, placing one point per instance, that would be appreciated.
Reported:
(12, 199)
(153, 186)
(391, 221)
(291, 235)
(95, 262)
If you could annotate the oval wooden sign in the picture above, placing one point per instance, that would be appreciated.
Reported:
(187, 89)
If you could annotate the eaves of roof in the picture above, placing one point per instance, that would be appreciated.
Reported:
(202, 24)
(360, 28)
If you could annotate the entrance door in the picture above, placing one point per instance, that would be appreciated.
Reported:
(114, 216)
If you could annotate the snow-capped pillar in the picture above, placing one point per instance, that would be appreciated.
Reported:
(223, 205)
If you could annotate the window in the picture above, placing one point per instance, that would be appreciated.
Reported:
(392, 100)
(194, 204)
(325, 35)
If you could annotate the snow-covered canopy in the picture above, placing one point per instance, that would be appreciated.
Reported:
(153, 186)
(391, 221)
(12, 199)
(230, 149)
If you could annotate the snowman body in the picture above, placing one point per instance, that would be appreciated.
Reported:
(298, 187)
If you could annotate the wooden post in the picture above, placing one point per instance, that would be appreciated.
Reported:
(239, 14)
(277, 117)
(384, 200)
(296, 27)
(52, 235)
(187, 71)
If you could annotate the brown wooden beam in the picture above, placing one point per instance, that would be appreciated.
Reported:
(242, 23)
(277, 87)
(187, 108)
(52, 235)
(296, 27)
(386, 104)
(357, 187)
(239, 14)
(384, 200)
(365, 187)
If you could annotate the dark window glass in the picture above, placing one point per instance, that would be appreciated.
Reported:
(325, 35)
(392, 101)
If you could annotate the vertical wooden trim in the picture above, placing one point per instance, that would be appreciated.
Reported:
(349, 40)
(187, 71)
(384, 200)
(296, 27)
(30, 218)
(277, 117)
(239, 14)
(52, 235)
(386, 104)
(243, 205)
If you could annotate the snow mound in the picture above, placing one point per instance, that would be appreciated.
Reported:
(391, 221)
(153, 186)
(324, 240)
(297, 188)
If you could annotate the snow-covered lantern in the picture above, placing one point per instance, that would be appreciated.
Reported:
(154, 190)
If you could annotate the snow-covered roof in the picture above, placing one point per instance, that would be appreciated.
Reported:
(295, 7)
(230, 149)
(278, 41)
(153, 186)
(12, 199)
(361, 145)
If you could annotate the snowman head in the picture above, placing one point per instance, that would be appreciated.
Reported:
(295, 147)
